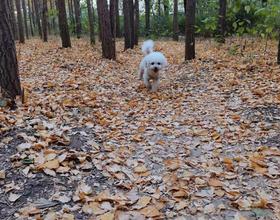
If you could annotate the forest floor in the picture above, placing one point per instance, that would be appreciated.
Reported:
(90, 142)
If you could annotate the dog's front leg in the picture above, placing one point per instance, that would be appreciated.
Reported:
(155, 85)
(146, 81)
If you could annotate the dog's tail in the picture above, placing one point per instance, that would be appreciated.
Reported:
(148, 47)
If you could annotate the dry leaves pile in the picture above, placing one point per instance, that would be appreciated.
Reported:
(91, 143)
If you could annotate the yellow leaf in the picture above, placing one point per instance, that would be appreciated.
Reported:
(107, 216)
(150, 211)
(143, 202)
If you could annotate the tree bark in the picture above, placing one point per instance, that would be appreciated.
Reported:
(71, 12)
(118, 29)
(132, 27)
(113, 17)
(159, 7)
(175, 22)
(108, 42)
(190, 30)
(25, 19)
(222, 21)
(63, 25)
(9, 77)
(147, 17)
(45, 21)
(38, 19)
(30, 17)
(278, 57)
(77, 7)
(137, 19)
(53, 21)
(128, 41)
(13, 19)
(91, 21)
(20, 22)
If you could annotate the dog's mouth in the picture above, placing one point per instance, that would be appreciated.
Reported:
(156, 69)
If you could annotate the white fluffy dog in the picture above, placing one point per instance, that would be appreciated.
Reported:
(151, 65)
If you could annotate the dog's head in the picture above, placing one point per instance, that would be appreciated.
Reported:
(156, 61)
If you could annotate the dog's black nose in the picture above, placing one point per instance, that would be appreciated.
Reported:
(155, 69)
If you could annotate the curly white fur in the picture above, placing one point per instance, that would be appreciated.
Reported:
(151, 65)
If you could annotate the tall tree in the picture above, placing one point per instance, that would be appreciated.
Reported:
(278, 57)
(71, 11)
(9, 77)
(53, 19)
(118, 29)
(113, 13)
(45, 20)
(108, 43)
(166, 7)
(136, 24)
(222, 21)
(30, 17)
(25, 18)
(190, 30)
(175, 21)
(147, 17)
(13, 19)
(128, 24)
(159, 7)
(63, 25)
(77, 7)
(131, 14)
(37, 14)
(91, 21)
(20, 22)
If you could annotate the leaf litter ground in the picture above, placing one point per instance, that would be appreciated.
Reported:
(90, 142)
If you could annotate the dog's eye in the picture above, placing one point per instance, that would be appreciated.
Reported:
(158, 63)
(152, 63)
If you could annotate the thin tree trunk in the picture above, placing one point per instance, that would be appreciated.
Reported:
(108, 43)
(71, 12)
(37, 13)
(118, 29)
(190, 30)
(175, 22)
(33, 14)
(91, 21)
(13, 20)
(278, 57)
(147, 17)
(45, 20)
(20, 22)
(53, 20)
(136, 25)
(159, 7)
(9, 77)
(113, 17)
(77, 7)
(30, 17)
(63, 25)
(222, 21)
(127, 25)
(166, 7)
(185, 6)
(25, 19)
(132, 27)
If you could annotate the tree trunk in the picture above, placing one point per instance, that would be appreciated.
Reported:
(25, 19)
(91, 21)
(136, 25)
(222, 21)
(278, 57)
(13, 19)
(71, 12)
(159, 7)
(9, 78)
(113, 17)
(108, 42)
(30, 17)
(147, 17)
(175, 22)
(77, 7)
(118, 29)
(63, 25)
(166, 7)
(190, 30)
(38, 19)
(132, 27)
(20, 22)
(185, 6)
(53, 22)
(45, 20)
(127, 25)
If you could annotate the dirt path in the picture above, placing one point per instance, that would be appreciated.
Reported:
(92, 143)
